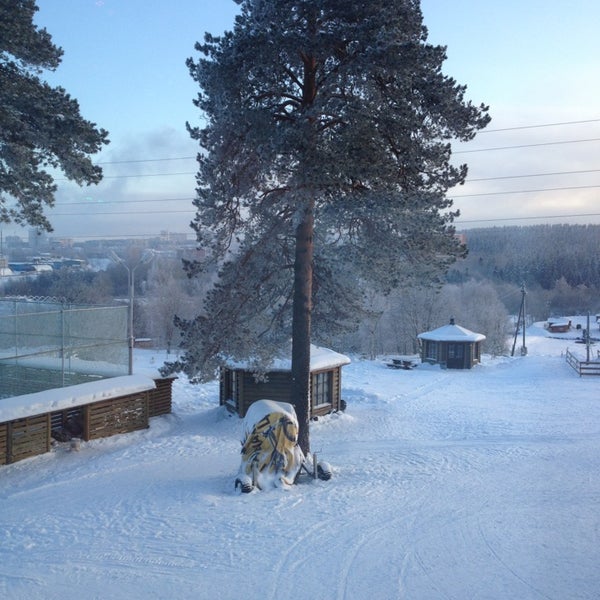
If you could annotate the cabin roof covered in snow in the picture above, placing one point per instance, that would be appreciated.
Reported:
(320, 359)
(451, 333)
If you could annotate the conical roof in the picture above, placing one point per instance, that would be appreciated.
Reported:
(451, 333)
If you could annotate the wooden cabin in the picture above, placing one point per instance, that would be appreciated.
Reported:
(559, 325)
(451, 346)
(240, 387)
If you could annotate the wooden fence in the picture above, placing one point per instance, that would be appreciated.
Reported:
(32, 435)
(23, 438)
(583, 367)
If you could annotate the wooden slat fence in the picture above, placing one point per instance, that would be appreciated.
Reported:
(583, 367)
(160, 398)
(118, 415)
(32, 435)
(25, 437)
(3, 443)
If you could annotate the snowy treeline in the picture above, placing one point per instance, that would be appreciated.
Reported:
(536, 255)
(480, 293)
(396, 320)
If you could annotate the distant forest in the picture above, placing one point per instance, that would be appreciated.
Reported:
(557, 264)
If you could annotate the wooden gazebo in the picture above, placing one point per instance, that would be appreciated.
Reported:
(451, 346)
(240, 387)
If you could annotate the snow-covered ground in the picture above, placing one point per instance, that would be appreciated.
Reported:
(479, 484)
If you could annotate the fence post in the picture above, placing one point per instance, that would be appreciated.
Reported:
(62, 344)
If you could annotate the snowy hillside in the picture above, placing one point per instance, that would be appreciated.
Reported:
(447, 484)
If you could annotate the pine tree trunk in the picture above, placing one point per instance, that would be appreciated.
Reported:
(303, 275)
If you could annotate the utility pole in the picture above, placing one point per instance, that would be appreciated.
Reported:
(520, 318)
(587, 338)
(130, 267)
(524, 346)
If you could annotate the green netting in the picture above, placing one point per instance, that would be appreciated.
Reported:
(44, 345)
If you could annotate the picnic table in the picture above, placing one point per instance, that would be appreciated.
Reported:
(402, 363)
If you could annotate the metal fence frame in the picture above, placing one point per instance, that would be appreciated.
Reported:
(45, 334)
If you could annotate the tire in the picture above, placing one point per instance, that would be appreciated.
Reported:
(244, 486)
(324, 471)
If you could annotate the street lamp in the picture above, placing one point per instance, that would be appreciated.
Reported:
(146, 257)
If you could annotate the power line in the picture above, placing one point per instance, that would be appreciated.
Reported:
(91, 203)
(138, 175)
(469, 180)
(141, 175)
(109, 236)
(496, 219)
(145, 160)
(459, 221)
(515, 128)
(526, 146)
(116, 212)
(557, 189)
(103, 202)
(473, 151)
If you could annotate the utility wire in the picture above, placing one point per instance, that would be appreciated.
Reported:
(145, 160)
(557, 189)
(562, 142)
(515, 128)
(518, 127)
(129, 212)
(458, 222)
(91, 203)
(496, 219)
(103, 202)
(523, 127)
(142, 175)
(468, 180)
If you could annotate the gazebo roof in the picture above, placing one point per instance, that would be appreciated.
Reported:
(451, 333)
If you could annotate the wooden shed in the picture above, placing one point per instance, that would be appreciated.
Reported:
(559, 325)
(240, 387)
(29, 423)
(451, 346)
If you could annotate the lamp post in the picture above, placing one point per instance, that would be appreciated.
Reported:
(146, 257)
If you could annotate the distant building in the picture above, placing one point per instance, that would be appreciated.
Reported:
(5, 270)
(38, 240)
(559, 325)
(451, 346)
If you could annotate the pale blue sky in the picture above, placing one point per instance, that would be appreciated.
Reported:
(534, 62)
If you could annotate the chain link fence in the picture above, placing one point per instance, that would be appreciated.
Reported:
(47, 344)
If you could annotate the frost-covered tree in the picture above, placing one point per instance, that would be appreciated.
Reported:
(325, 164)
(477, 306)
(41, 128)
(169, 293)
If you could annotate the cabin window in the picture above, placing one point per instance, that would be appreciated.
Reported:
(322, 388)
(231, 388)
(455, 351)
(432, 351)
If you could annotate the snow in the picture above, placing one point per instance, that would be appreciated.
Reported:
(260, 409)
(480, 484)
(29, 358)
(451, 333)
(39, 403)
(320, 359)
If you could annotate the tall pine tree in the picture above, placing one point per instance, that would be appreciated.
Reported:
(40, 126)
(324, 164)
